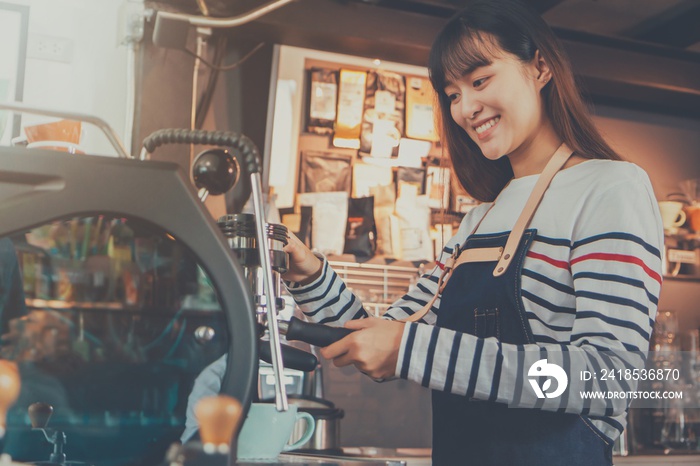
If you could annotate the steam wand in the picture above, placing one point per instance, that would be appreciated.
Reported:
(275, 345)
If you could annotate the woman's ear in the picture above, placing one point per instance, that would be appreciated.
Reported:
(544, 74)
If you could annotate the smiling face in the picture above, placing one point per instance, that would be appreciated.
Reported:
(498, 103)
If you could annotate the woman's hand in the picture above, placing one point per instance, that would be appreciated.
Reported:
(373, 348)
(304, 267)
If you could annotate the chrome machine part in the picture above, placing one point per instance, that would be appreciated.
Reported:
(281, 392)
(201, 21)
(327, 433)
(240, 233)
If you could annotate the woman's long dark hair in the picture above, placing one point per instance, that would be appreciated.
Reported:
(463, 45)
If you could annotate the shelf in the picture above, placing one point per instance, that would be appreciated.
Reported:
(377, 285)
(56, 305)
(682, 278)
(683, 234)
(67, 305)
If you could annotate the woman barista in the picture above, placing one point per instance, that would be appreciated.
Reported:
(560, 263)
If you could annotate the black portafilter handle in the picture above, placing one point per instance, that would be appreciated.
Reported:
(292, 358)
(313, 334)
(248, 149)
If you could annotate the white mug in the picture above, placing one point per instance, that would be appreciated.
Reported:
(672, 214)
(266, 431)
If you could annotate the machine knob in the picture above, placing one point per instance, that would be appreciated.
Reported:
(215, 170)
(39, 414)
(218, 416)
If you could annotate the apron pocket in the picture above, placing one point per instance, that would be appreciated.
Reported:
(486, 323)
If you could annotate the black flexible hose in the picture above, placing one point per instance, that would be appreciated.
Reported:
(249, 151)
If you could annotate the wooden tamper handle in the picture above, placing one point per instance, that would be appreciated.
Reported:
(39, 414)
(9, 390)
(218, 416)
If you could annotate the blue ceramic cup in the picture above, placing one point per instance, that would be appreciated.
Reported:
(266, 431)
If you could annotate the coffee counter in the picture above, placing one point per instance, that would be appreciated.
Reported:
(651, 460)
(357, 456)
(308, 460)
(421, 457)
(411, 460)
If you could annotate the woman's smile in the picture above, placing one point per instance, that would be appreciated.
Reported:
(485, 129)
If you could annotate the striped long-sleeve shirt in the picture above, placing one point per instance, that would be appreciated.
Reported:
(590, 285)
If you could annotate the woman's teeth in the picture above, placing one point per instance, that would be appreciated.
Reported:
(487, 125)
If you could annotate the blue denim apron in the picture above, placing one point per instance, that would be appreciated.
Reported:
(482, 433)
(478, 301)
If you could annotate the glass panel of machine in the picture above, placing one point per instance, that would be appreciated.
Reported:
(109, 320)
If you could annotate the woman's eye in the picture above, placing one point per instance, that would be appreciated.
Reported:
(479, 82)
(452, 97)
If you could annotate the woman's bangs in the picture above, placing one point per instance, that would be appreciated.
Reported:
(459, 55)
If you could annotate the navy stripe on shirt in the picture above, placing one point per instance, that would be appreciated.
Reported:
(475, 367)
(553, 241)
(340, 314)
(496, 379)
(430, 356)
(612, 299)
(322, 296)
(555, 328)
(546, 304)
(452, 363)
(548, 281)
(617, 235)
(299, 290)
(328, 303)
(408, 349)
(618, 279)
(613, 321)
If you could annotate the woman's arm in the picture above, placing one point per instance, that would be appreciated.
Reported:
(616, 267)
(324, 298)
(328, 300)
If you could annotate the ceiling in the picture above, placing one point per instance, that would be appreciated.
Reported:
(672, 23)
(641, 54)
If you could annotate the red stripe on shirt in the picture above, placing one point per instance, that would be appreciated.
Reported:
(442, 266)
(619, 258)
(561, 264)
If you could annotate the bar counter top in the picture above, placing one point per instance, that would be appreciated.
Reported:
(421, 457)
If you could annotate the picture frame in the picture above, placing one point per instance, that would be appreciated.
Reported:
(14, 27)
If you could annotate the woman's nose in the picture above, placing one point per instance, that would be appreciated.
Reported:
(470, 106)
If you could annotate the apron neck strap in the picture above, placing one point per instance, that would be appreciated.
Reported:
(555, 163)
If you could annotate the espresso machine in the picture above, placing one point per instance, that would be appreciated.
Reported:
(139, 315)
(259, 246)
(117, 326)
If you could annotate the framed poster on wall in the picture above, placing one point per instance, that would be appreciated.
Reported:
(14, 24)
